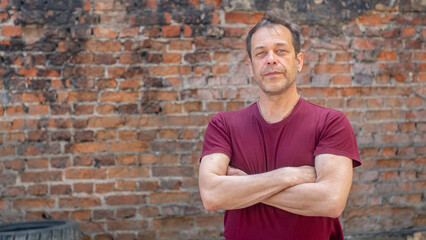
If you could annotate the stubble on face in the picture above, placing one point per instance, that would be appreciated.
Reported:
(276, 78)
(289, 77)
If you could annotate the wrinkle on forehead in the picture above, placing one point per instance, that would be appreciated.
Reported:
(274, 29)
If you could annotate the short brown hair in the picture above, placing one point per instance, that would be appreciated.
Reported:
(276, 17)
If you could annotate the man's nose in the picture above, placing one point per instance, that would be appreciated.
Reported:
(271, 58)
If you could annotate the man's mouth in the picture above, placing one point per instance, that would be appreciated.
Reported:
(272, 74)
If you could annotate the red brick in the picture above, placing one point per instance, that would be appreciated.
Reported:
(7, 151)
(171, 57)
(126, 160)
(209, 221)
(332, 68)
(33, 203)
(90, 227)
(79, 202)
(38, 163)
(116, 200)
(131, 83)
(162, 71)
(14, 192)
(172, 197)
(128, 172)
(177, 44)
(171, 31)
(103, 32)
(105, 122)
(38, 109)
(247, 18)
(15, 111)
(84, 71)
(126, 186)
(85, 174)
(60, 189)
(387, 56)
(104, 46)
(408, 32)
(11, 31)
(88, 147)
(367, 44)
(375, 19)
(81, 215)
(104, 187)
(128, 32)
(77, 96)
(37, 190)
(173, 223)
(120, 97)
(140, 146)
(43, 176)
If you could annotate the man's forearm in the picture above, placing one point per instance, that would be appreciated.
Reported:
(221, 191)
(234, 192)
(326, 197)
(310, 199)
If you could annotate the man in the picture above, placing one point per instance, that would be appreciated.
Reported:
(281, 167)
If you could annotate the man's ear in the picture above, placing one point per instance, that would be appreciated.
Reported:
(251, 68)
(299, 59)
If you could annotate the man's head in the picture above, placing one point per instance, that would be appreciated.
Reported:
(274, 49)
(272, 18)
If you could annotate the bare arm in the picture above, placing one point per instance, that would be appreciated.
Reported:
(326, 197)
(221, 191)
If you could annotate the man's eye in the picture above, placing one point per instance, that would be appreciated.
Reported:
(281, 51)
(260, 53)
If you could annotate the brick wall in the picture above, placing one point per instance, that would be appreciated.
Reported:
(104, 103)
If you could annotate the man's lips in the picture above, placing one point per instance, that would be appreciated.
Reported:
(271, 74)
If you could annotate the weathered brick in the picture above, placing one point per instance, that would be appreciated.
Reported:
(171, 31)
(43, 176)
(172, 223)
(11, 31)
(169, 197)
(125, 200)
(60, 190)
(79, 202)
(128, 173)
(85, 174)
(88, 147)
(33, 203)
(139, 146)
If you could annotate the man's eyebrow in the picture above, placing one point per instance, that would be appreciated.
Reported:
(276, 44)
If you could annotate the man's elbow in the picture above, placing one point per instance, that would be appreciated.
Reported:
(209, 202)
(209, 206)
(336, 207)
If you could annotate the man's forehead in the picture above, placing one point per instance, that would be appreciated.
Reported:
(274, 34)
(277, 44)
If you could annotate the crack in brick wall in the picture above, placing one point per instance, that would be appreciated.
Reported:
(104, 104)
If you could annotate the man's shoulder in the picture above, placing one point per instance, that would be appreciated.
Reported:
(235, 115)
(320, 111)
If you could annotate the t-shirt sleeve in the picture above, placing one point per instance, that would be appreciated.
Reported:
(337, 137)
(216, 139)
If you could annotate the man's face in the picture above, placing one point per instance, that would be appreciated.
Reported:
(274, 64)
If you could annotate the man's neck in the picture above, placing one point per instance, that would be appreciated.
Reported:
(275, 108)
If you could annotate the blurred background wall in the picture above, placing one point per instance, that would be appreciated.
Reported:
(104, 104)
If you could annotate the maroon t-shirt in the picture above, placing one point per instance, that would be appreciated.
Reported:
(255, 146)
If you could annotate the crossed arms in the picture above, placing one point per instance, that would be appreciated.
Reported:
(308, 191)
